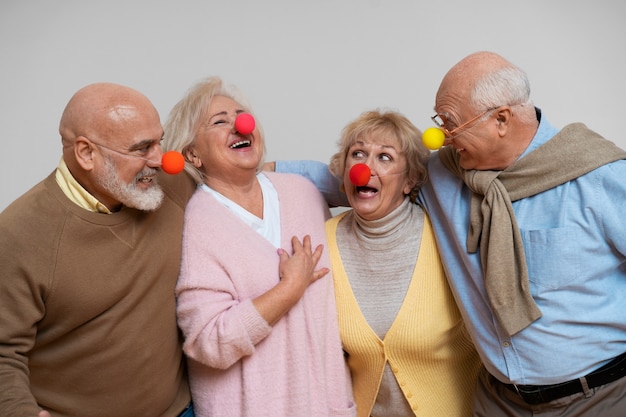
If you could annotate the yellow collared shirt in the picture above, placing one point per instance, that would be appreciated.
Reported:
(75, 192)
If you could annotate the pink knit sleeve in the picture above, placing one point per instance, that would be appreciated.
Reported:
(215, 312)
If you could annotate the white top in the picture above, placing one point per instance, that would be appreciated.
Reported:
(269, 225)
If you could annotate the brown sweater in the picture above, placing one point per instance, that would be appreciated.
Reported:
(87, 307)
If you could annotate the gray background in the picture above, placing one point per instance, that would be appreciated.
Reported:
(308, 68)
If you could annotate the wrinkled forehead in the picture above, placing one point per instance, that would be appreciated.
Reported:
(453, 95)
(126, 124)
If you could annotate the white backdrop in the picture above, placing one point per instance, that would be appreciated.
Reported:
(308, 68)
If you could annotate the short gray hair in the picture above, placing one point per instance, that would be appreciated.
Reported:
(505, 86)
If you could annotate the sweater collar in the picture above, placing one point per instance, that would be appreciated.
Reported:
(385, 231)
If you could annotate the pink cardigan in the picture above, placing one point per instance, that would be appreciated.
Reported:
(238, 364)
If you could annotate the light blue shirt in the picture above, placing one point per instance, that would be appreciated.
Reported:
(575, 244)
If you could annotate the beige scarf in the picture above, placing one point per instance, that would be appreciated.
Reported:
(573, 152)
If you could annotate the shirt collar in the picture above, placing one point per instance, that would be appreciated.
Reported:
(75, 192)
(544, 133)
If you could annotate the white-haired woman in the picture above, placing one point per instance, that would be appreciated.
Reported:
(255, 303)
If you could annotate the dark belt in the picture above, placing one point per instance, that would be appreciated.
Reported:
(538, 394)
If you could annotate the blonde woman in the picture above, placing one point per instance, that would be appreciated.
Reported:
(406, 345)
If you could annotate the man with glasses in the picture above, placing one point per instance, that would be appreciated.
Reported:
(530, 231)
(529, 224)
(90, 258)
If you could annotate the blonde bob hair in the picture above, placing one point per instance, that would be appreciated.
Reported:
(189, 114)
(386, 123)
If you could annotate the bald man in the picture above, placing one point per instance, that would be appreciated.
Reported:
(530, 227)
(90, 258)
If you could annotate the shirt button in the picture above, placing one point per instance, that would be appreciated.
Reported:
(506, 343)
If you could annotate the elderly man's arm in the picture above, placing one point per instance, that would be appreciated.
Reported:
(316, 172)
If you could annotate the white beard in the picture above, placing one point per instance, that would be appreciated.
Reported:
(129, 194)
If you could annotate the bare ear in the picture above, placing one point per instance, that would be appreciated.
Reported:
(503, 118)
(191, 156)
(83, 152)
(410, 184)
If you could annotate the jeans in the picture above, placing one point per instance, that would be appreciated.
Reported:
(187, 412)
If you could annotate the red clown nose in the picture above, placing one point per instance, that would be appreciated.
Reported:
(245, 124)
(172, 162)
(360, 174)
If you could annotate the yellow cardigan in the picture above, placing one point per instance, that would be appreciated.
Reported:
(427, 346)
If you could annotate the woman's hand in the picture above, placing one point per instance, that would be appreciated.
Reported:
(296, 273)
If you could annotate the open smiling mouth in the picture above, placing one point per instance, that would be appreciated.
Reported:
(240, 144)
(366, 190)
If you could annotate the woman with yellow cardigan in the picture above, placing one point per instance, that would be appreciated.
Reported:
(405, 342)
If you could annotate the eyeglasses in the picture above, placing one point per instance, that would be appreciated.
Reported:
(141, 152)
(440, 122)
